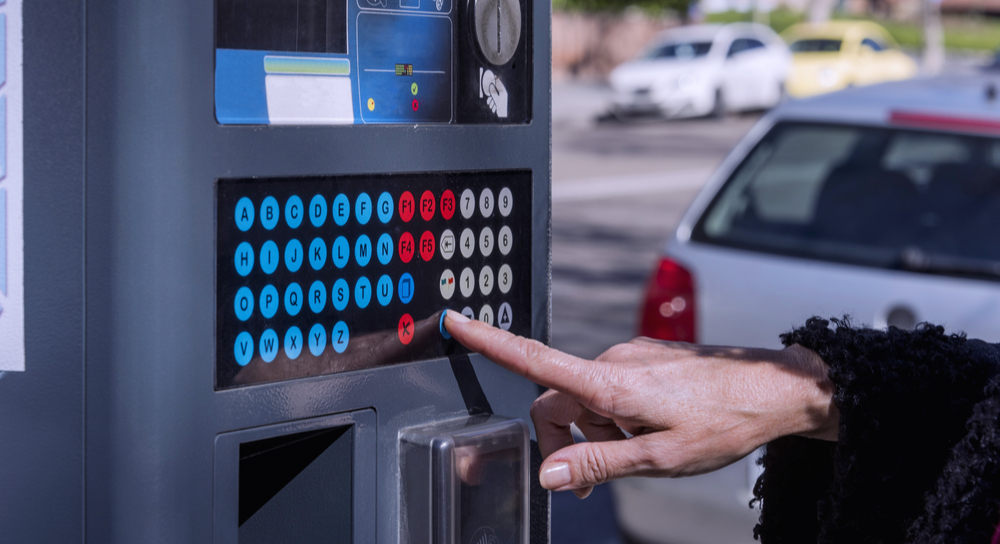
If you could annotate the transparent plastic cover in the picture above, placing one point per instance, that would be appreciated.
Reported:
(465, 482)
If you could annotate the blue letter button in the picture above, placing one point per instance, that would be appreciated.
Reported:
(341, 252)
(243, 303)
(244, 214)
(269, 213)
(293, 255)
(340, 295)
(293, 299)
(317, 340)
(363, 208)
(341, 209)
(384, 249)
(243, 349)
(317, 253)
(406, 288)
(363, 292)
(268, 301)
(269, 257)
(384, 207)
(294, 212)
(317, 211)
(317, 297)
(293, 343)
(244, 259)
(384, 290)
(340, 336)
(363, 250)
(268, 345)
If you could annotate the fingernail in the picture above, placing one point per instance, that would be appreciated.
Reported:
(457, 317)
(582, 493)
(555, 476)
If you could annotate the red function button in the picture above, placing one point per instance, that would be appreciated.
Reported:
(416, 105)
(405, 330)
(426, 245)
(447, 204)
(406, 247)
(427, 205)
(406, 206)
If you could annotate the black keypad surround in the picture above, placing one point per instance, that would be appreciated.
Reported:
(331, 274)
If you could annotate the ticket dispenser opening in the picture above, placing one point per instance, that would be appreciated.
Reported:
(296, 482)
(465, 481)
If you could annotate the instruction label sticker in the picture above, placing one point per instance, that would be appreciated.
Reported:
(11, 188)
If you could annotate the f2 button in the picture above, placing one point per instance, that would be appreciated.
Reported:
(405, 330)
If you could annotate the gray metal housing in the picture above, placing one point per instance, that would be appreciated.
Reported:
(109, 435)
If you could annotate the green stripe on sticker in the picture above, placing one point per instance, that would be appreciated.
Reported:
(313, 66)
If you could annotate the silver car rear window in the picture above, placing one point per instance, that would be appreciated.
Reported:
(890, 198)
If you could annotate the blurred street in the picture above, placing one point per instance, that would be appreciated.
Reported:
(618, 190)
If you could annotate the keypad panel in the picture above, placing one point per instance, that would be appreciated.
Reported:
(331, 274)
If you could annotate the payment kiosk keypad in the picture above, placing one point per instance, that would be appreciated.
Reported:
(324, 275)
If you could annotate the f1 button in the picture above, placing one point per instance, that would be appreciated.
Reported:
(405, 330)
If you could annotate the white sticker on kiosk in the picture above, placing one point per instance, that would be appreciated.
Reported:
(11, 190)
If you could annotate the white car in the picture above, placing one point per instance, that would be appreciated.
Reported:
(704, 69)
(882, 203)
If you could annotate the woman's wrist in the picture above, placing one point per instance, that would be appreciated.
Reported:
(814, 414)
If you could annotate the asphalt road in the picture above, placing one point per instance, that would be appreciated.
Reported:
(618, 190)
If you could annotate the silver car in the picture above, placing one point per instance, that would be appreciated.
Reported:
(881, 203)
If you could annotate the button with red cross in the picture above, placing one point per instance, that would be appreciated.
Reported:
(405, 330)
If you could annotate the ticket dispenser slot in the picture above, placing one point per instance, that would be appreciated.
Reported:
(297, 482)
(465, 481)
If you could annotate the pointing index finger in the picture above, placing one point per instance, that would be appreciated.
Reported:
(529, 358)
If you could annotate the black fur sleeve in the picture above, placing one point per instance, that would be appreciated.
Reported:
(904, 398)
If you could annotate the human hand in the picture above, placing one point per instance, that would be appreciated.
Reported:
(689, 409)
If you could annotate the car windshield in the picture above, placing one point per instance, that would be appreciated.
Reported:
(815, 46)
(891, 198)
(678, 50)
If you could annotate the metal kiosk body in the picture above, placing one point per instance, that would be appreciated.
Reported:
(242, 221)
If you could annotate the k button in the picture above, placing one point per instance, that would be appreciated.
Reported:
(405, 330)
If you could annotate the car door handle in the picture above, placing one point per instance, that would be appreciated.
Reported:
(901, 317)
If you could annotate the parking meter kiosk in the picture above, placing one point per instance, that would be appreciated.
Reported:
(243, 220)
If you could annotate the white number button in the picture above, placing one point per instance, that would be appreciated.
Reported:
(506, 203)
(486, 202)
(505, 277)
(447, 244)
(467, 243)
(504, 315)
(447, 284)
(467, 203)
(486, 315)
(486, 241)
(505, 239)
(467, 282)
(486, 280)
(467, 312)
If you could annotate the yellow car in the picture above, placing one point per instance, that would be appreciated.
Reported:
(840, 54)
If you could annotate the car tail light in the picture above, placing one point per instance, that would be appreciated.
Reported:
(668, 312)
